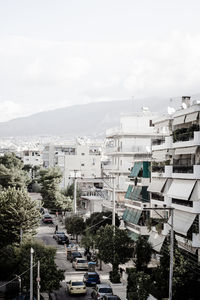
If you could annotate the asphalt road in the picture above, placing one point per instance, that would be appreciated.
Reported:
(45, 233)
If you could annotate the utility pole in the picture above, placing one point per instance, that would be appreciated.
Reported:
(171, 254)
(113, 211)
(38, 280)
(31, 274)
(75, 185)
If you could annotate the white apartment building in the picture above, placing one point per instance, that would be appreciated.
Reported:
(176, 179)
(125, 145)
(80, 158)
(32, 157)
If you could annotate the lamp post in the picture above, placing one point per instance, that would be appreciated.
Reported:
(31, 273)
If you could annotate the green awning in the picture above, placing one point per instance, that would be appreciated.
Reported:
(136, 193)
(133, 235)
(146, 169)
(129, 190)
(136, 169)
(132, 215)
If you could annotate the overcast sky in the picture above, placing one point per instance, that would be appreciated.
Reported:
(56, 53)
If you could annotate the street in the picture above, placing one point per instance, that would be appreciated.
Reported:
(45, 233)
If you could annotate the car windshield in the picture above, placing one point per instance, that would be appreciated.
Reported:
(76, 254)
(81, 261)
(105, 290)
(62, 233)
(77, 283)
(93, 276)
(47, 217)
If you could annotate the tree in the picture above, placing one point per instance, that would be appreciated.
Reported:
(17, 212)
(115, 247)
(75, 225)
(99, 219)
(143, 252)
(12, 173)
(139, 285)
(50, 180)
(50, 275)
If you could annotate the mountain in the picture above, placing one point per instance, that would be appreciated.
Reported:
(79, 120)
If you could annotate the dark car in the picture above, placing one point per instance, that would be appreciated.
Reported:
(73, 255)
(111, 297)
(61, 237)
(47, 219)
(91, 278)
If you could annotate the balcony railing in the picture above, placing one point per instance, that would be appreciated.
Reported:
(182, 169)
(185, 134)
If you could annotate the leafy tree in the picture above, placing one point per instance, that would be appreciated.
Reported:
(115, 247)
(75, 225)
(99, 219)
(17, 211)
(12, 173)
(50, 275)
(143, 252)
(139, 285)
(50, 180)
(8, 262)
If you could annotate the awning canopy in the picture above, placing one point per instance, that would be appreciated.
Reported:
(129, 190)
(157, 185)
(192, 117)
(132, 215)
(156, 240)
(179, 120)
(135, 194)
(188, 150)
(196, 192)
(182, 221)
(133, 235)
(181, 189)
(136, 169)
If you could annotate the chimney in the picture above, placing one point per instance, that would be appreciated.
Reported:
(185, 101)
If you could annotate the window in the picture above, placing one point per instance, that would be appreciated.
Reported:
(82, 153)
(82, 165)
(182, 202)
(151, 123)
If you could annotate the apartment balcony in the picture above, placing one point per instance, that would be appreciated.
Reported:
(189, 139)
(186, 172)
(166, 144)
(180, 205)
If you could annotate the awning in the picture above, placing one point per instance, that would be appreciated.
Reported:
(188, 150)
(156, 240)
(157, 185)
(133, 235)
(181, 189)
(135, 194)
(179, 120)
(136, 169)
(192, 117)
(129, 190)
(132, 215)
(196, 192)
(182, 221)
(159, 155)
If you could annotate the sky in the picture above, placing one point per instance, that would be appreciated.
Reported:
(58, 53)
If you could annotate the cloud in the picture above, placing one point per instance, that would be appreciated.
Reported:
(9, 110)
(39, 75)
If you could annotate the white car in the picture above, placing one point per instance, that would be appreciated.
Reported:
(80, 264)
(76, 287)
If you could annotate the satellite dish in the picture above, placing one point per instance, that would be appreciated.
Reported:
(170, 110)
(184, 105)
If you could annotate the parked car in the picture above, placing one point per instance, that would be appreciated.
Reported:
(47, 219)
(91, 278)
(61, 237)
(101, 290)
(73, 254)
(111, 297)
(80, 264)
(76, 287)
